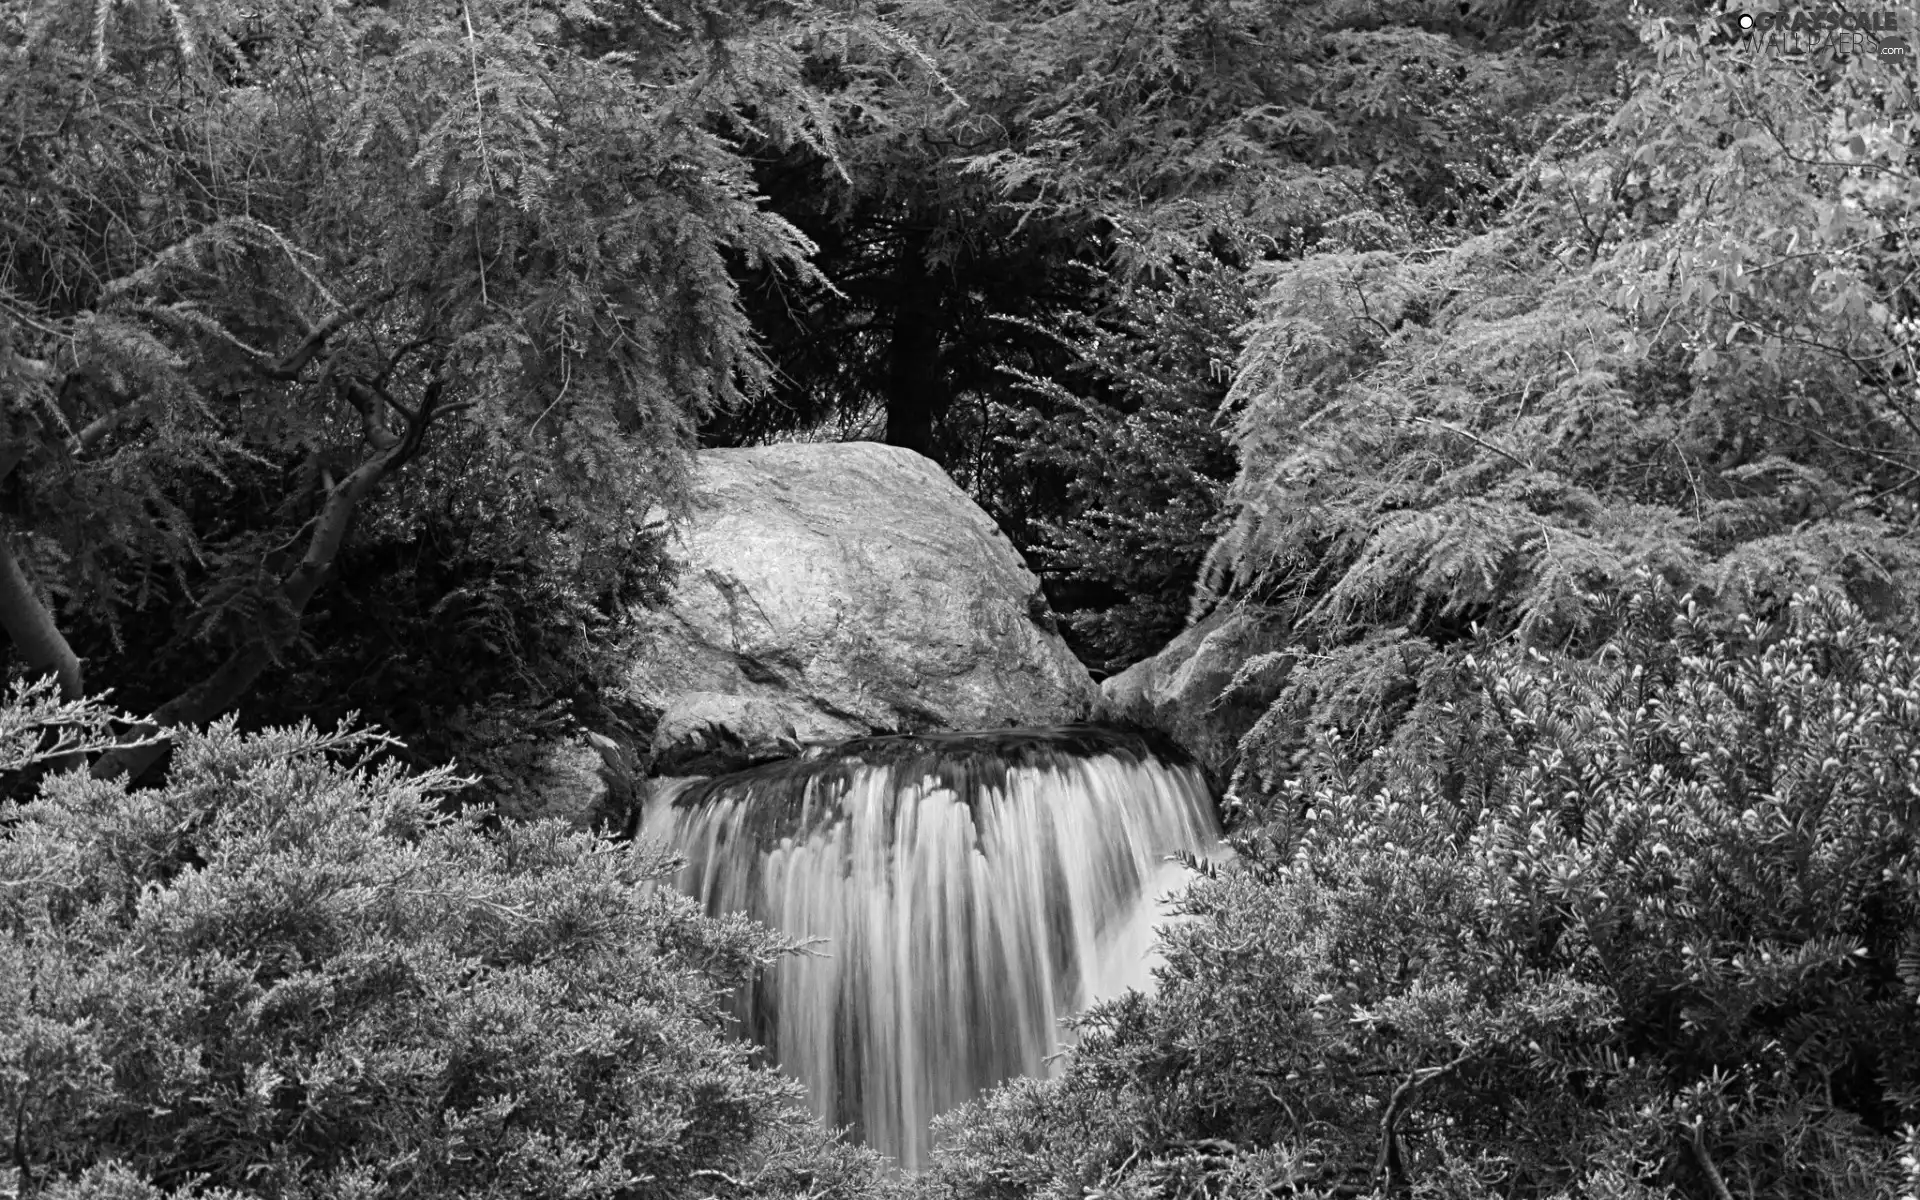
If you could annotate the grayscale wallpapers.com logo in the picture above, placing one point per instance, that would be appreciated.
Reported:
(1874, 33)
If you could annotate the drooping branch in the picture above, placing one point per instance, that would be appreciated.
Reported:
(233, 678)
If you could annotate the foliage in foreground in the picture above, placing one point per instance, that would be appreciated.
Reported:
(1643, 925)
(287, 974)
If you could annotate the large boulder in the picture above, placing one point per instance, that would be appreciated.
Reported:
(1182, 692)
(838, 590)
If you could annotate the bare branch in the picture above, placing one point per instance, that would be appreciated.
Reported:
(1506, 454)
(37, 369)
(371, 404)
(380, 380)
(1697, 1142)
(95, 430)
(296, 361)
(1387, 1165)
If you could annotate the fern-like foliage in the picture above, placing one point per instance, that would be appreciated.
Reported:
(278, 277)
(1688, 351)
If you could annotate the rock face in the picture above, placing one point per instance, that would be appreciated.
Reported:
(1179, 691)
(838, 590)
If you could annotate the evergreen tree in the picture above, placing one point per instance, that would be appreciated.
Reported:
(276, 280)
(1138, 444)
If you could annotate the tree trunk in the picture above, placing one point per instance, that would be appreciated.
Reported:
(27, 621)
(916, 384)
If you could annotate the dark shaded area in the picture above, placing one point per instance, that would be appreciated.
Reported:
(790, 795)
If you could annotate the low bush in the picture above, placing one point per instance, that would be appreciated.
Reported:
(289, 973)
(1645, 924)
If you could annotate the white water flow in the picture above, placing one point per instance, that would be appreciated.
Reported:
(969, 898)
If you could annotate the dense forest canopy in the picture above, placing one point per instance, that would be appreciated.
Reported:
(1538, 375)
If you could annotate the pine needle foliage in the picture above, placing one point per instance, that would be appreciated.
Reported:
(1634, 924)
(287, 973)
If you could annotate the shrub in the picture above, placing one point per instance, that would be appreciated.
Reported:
(1664, 354)
(1646, 924)
(288, 973)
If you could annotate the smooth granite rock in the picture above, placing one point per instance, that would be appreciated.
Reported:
(835, 590)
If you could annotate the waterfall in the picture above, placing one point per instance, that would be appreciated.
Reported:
(971, 889)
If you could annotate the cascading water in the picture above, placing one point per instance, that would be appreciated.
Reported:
(972, 890)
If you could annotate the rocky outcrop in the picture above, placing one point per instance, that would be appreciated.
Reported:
(830, 591)
(1181, 692)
